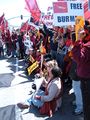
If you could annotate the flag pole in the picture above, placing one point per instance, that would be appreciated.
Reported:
(41, 55)
(41, 61)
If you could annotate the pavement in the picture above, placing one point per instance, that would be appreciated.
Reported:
(15, 87)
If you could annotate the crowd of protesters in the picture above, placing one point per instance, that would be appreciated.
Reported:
(73, 57)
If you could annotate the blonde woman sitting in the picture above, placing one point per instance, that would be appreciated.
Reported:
(50, 99)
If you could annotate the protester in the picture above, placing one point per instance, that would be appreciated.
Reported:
(21, 45)
(1, 46)
(51, 99)
(8, 42)
(61, 52)
(81, 54)
(28, 44)
(14, 40)
(54, 46)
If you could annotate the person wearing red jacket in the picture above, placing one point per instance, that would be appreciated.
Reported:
(8, 42)
(81, 54)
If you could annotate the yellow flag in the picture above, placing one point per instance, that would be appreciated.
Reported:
(79, 24)
(32, 67)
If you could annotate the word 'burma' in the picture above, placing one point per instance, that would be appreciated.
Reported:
(66, 18)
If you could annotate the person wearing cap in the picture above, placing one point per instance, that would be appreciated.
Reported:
(81, 54)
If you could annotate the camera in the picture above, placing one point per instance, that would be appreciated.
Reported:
(34, 86)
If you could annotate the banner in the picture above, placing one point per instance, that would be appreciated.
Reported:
(65, 12)
(79, 24)
(33, 67)
(47, 18)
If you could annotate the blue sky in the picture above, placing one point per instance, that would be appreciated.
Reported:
(13, 8)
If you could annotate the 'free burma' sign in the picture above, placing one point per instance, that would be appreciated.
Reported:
(65, 12)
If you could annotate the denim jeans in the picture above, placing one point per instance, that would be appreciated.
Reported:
(78, 95)
(37, 103)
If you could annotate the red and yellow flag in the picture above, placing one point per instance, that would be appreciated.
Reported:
(32, 67)
(79, 24)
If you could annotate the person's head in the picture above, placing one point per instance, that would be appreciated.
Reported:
(62, 43)
(86, 34)
(56, 72)
(82, 34)
(50, 64)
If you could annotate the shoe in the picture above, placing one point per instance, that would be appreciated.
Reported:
(23, 106)
(77, 112)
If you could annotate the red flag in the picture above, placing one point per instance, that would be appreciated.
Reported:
(32, 7)
(25, 26)
(86, 11)
(85, 6)
(87, 15)
(1, 19)
(60, 7)
(4, 24)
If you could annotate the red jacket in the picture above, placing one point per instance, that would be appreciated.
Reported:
(81, 54)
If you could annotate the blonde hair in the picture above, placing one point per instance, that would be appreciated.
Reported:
(51, 63)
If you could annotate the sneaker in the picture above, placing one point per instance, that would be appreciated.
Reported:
(23, 106)
(78, 112)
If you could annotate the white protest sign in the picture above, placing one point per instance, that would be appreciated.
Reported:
(38, 82)
(48, 17)
(66, 11)
(48, 20)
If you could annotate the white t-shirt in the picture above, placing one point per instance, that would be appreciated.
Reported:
(28, 44)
